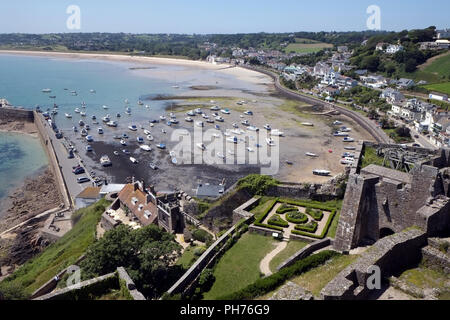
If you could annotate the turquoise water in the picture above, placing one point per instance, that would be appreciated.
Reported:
(20, 157)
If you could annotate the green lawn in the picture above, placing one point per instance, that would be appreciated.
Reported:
(306, 46)
(440, 66)
(188, 258)
(439, 87)
(292, 247)
(426, 278)
(61, 254)
(333, 227)
(239, 266)
(370, 157)
(315, 280)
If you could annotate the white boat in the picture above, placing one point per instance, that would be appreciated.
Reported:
(231, 152)
(345, 129)
(237, 131)
(347, 139)
(172, 153)
(312, 155)
(123, 142)
(189, 119)
(350, 148)
(225, 111)
(201, 146)
(216, 135)
(105, 161)
(267, 127)
(83, 104)
(307, 124)
(235, 125)
(140, 103)
(205, 116)
(277, 133)
(100, 131)
(153, 166)
(232, 139)
(147, 106)
(77, 110)
(106, 118)
(116, 153)
(200, 124)
(146, 147)
(89, 138)
(318, 172)
(163, 117)
(132, 127)
(221, 155)
(84, 133)
(174, 121)
(198, 111)
(46, 90)
(128, 111)
(161, 146)
(340, 134)
(112, 124)
(174, 160)
(215, 108)
(219, 119)
(68, 115)
(127, 101)
(150, 138)
(190, 113)
(105, 107)
(250, 149)
(253, 128)
(147, 132)
(163, 131)
(337, 123)
(140, 140)
(245, 122)
(83, 114)
(92, 91)
(270, 142)
(134, 160)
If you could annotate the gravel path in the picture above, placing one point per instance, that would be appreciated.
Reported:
(264, 266)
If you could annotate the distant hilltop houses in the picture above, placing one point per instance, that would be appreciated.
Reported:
(389, 48)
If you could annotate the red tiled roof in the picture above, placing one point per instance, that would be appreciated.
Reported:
(139, 207)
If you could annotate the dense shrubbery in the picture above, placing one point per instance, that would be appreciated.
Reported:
(276, 220)
(202, 236)
(147, 254)
(265, 285)
(296, 217)
(257, 184)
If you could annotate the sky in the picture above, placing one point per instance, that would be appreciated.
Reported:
(219, 16)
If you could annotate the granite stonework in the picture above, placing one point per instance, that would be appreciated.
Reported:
(292, 292)
(380, 201)
(391, 254)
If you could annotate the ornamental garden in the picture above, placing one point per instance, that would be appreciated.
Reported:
(296, 217)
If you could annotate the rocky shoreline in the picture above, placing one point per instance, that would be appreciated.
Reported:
(34, 196)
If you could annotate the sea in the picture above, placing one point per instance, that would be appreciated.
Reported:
(96, 83)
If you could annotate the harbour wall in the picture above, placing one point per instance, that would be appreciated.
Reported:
(12, 113)
(47, 142)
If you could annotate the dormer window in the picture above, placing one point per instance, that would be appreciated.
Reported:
(134, 200)
(147, 214)
(141, 206)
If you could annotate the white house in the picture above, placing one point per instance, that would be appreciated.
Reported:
(394, 48)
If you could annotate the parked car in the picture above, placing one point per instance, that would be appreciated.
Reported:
(79, 170)
(83, 180)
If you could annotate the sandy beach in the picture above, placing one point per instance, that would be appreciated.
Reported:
(240, 73)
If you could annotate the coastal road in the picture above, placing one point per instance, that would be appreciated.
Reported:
(66, 164)
(374, 130)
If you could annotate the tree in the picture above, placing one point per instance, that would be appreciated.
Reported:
(403, 132)
(147, 254)
(410, 65)
(370, 63)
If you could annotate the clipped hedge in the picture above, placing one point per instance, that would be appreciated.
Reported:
(285, 208)
(324, 231)
(315, 214)
(306, 204)
(310, 227)
(296, 217)
(265, 285)
(276, 220)
(259, 219)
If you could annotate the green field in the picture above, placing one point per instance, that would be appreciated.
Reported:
(59, 255)
(306, 46)
(239, 266)
(439, 87)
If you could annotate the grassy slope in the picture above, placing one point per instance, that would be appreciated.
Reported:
(239, 266)
(439, 87)
(61, 254)
(292, 247)
(306, 46)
